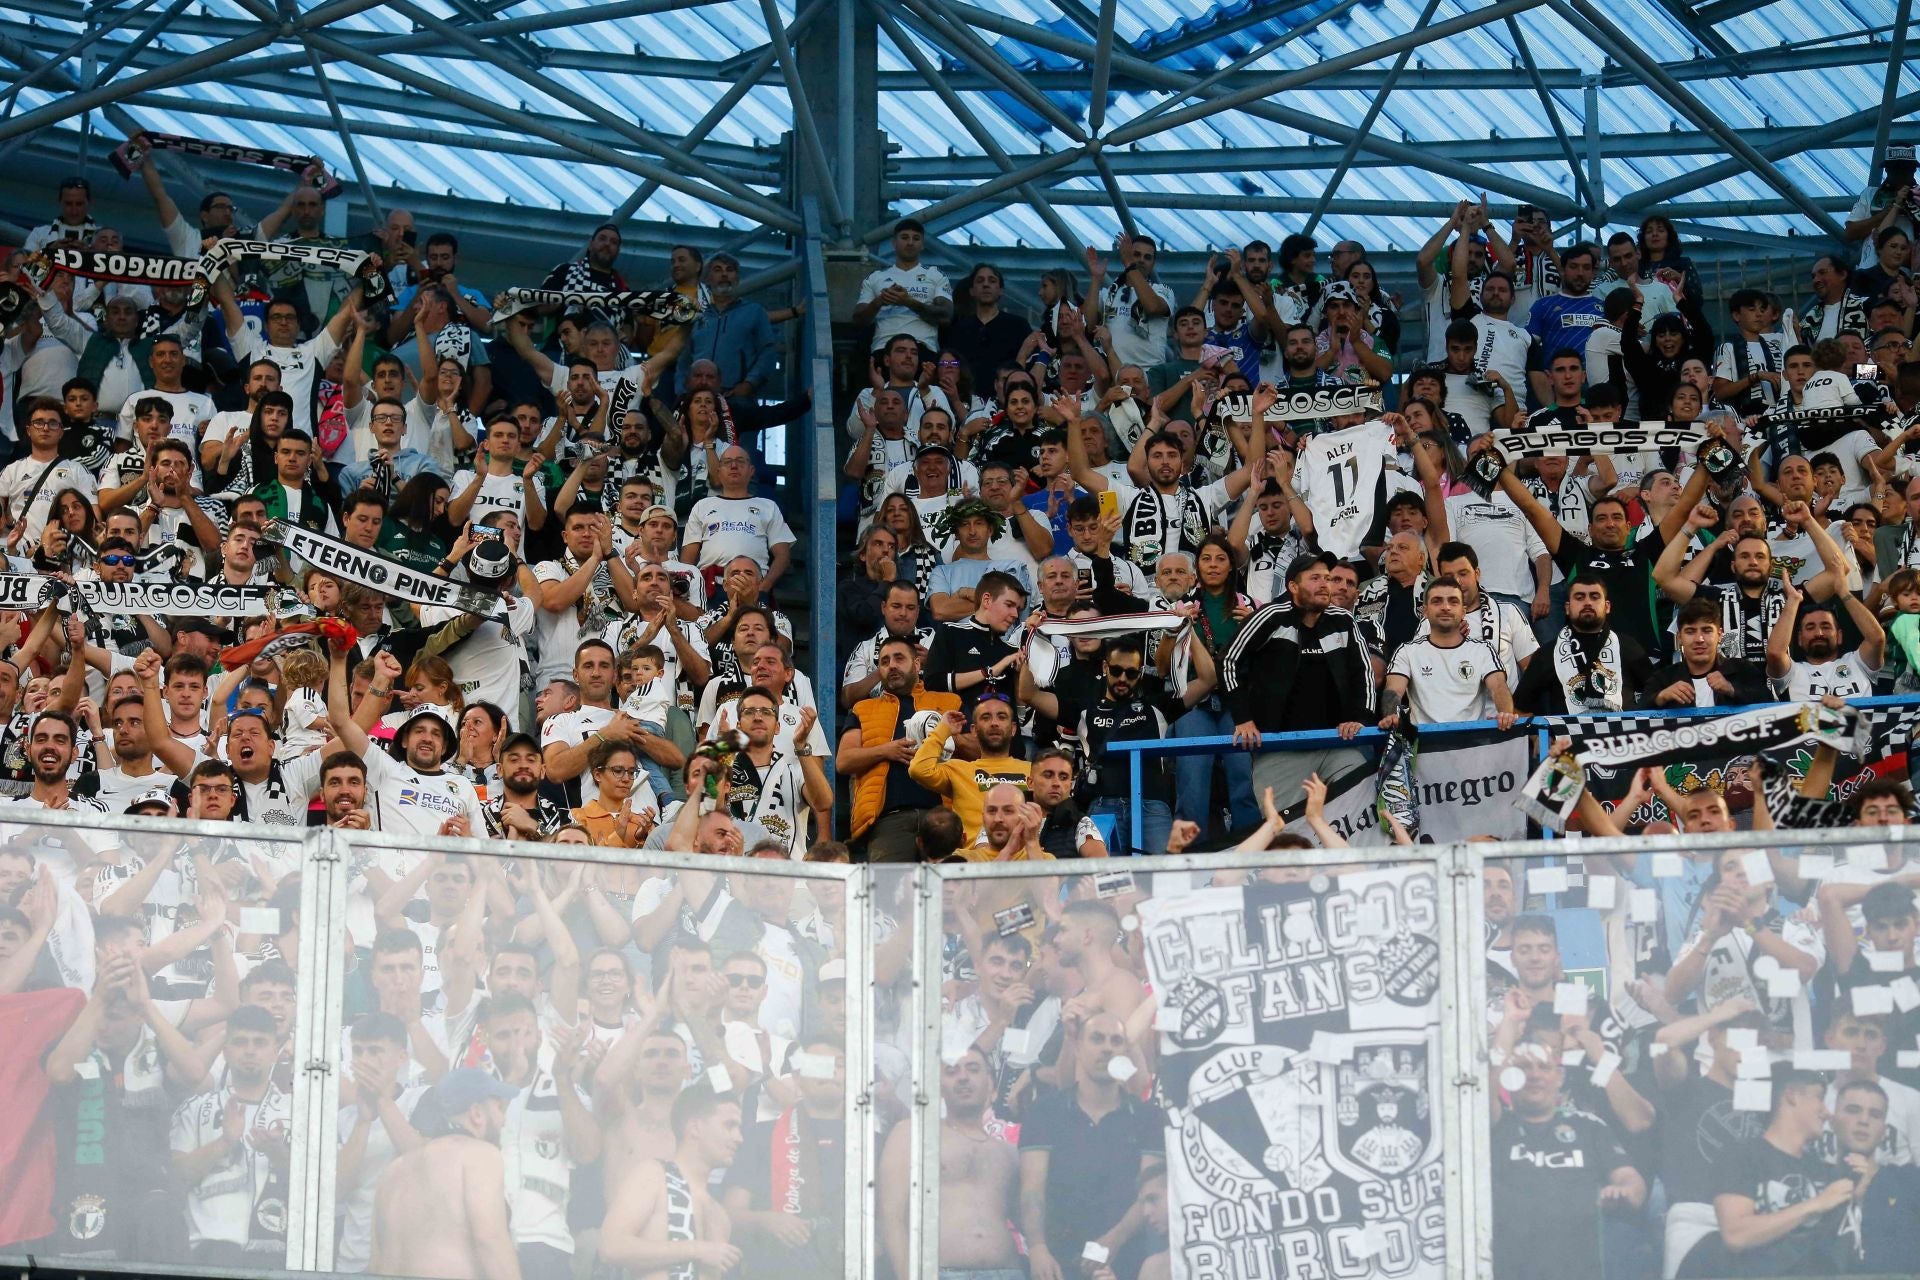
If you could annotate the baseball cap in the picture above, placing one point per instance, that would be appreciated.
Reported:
(489, 561)
(1303, 563)
(427, 711)
(148, 799)
(657, 510)
(833, 971)
(933, 451)
(460, 1089)
(1900, 155)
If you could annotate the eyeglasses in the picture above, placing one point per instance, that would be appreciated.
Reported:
(756, 712)
(1128, 672)
(1893, 344)
(389, 417)
(608, 976)
(751, 981)
(619, 771)
(116, 558)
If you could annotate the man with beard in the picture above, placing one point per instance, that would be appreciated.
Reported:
(593, 271)
(1752, 602)
(413, 793)
(1064, 831)
(770, 781)
(963, 784)
(663, 621)
(442, 1208)
(1630, 567)
(1170, 514)
(1824, 670)
(785, 1190)
(343, 791)
(665, 1221)
(1591, 667)
(1127, 713)
(1703, 676)
(876, 749)
(50, 752)
(231, 1150)
(979, 1181)
(899, 611)
(525, 809)
(1299, 664)
(655, 540)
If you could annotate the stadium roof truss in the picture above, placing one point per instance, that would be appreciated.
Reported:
(1016, 125)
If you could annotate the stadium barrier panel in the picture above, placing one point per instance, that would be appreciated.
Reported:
(1389, 945)
(1485, 784)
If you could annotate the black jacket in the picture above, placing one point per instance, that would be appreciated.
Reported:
(1749, 681)
(1258, 672)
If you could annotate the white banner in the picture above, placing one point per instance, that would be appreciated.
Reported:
(369, 569)
(1462, 790)
(31, 591)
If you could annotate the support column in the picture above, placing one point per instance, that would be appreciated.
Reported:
(839, 63)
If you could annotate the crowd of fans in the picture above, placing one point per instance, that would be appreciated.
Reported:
(557, 1067)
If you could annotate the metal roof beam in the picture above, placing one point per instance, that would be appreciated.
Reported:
(1422, 34)
(1235, 202)
(1601, 30)
(553, 133)
(1896, 57)
(804, 125)
(1102, 67)
(1247, 59)
(1552, 109)
(1416, 157)
(1352, 148)
(968, 121)
(90, 34)
(940, 25)
(177, 70)
(1252, 16)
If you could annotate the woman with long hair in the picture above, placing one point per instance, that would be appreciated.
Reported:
(915, 558)
(416, 529)
(863, 588)
(1224, 605)
(1384, 320)
(477, 756)
(1660, 254)
(246, 459)
(708, 425)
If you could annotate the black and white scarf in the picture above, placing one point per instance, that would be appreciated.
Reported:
(596, 606)
(581, 291)
(1589, 684)
(128, 156)
(1746, 625)
(1570, 440)
(1148, 531)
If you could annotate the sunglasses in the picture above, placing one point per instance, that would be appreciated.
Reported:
(751, 981)
(1123, 671)
(116, 558)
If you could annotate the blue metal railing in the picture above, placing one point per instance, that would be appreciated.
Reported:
(819, 467)
(1542, 728)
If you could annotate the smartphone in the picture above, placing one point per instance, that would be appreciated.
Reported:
(1866, 372)
(1109, 504)
(411, 236)
(486, 533)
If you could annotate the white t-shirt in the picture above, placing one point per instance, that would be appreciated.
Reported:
(1763, 353)
(498, 493)
(402, 799)
(1733, 971)
(918, 402)
(556, 632)
(924, 283)
(729, 527)
(119, 788)
(1142, 341)
(282, 803)
(1862, 207)
(1848, 675)
(191, 411)
(220, 1206)
(1503, 348)
(570, 729)
(487, 663)
(21, 476)
(1445, 684)
(1338, 477)
(299, 366)
(1506, 543)
(1474, 406)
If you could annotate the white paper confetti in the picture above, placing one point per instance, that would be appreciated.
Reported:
(1884, 961)
(1513, 1079)
(1907, 1058)
(1821, 1060)
(1600, 892)
(1604, 1069)
(813, 1066)
(1015, 1041)
(1872, 1000)
(1330, 1048)
(1166, 1018)
(1759, 870)
(1753, 1095)
(264, 921)
(1659, 1048)
(1122, 1069)
(1668, 866)
(1569, 998)
(1783, 984)
(1743, 1039)
(1095, 1252)
(1644, 906)
(1871, 856)
(1815, 866)
(1130, 922)
(1905, 993)
(1546, 879)
(718, 1079)
(1573, 1057)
